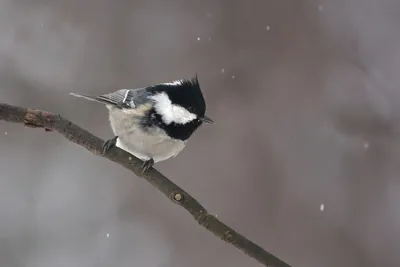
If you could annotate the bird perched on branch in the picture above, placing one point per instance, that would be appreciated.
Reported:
(154, 123)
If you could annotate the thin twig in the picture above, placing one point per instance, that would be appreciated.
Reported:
(74, 133)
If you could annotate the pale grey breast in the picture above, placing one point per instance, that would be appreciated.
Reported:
(147, 143)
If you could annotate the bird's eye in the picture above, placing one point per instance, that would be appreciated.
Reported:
(191, 109)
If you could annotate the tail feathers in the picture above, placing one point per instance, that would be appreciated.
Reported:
(93, 98)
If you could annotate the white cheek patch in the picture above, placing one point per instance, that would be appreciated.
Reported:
(182, 115)
(170, 112)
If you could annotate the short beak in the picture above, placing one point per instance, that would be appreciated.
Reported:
(206, 119)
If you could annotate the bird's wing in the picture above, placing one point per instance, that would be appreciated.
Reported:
(123, 98)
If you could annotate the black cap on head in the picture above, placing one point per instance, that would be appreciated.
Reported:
(186, 93)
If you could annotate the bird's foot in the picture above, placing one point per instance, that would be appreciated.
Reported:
(147, 165)
(109, 144)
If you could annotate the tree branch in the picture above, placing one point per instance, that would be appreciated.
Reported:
(74, 133)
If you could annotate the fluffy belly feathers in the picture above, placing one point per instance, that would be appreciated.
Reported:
(143, 143)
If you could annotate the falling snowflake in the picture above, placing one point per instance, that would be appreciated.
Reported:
(366, 145)
(267, 27)
(320, 7)
(322, 207)
(198, 38)
(233, 77)
(108, 235)
(5, 133)
(222, 70)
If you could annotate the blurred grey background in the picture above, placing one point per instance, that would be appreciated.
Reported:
(304, 158)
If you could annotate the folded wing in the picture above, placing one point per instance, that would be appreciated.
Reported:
(123, 98)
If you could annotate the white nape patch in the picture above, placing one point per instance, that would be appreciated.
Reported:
(170, 112)
(177, 82)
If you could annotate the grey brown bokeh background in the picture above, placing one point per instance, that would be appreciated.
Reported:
(306, 99)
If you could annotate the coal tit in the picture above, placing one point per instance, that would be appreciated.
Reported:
(154, 123)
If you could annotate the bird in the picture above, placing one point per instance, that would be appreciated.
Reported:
(154, 123)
